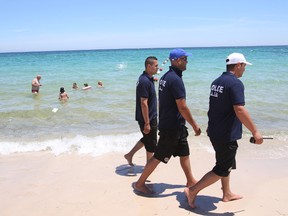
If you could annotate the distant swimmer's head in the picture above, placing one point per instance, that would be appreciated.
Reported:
(100, 83)
(74, 86)
(86, 84)
(38, 77)
(62, 90)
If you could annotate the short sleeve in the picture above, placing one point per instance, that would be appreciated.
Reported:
(178, 89)
(237, 94)
(143, 88)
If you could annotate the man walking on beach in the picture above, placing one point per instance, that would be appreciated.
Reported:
(36, 84)
(226, 115)
(173, 114)
(146, 110)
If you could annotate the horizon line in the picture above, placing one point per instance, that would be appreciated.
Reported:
(143, 48)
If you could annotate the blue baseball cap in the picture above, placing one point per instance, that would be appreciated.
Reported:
(177, 53)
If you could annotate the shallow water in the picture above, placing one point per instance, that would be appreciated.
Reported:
(106, 115)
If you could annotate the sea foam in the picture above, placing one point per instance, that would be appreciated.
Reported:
(94, 146)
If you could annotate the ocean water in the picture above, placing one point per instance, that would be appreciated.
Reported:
(101, 120)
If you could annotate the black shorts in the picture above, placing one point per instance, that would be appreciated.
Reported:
(149, 140)
(172, 142)
(225, 157)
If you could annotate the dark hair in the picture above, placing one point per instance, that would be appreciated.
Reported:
(62, 90)
(232, 66)
(150, 60)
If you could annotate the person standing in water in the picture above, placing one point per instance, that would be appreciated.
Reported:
(36, 84)
(63, 96)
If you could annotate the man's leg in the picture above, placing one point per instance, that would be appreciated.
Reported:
(206, 180)
(186, 167)
(149, 155)
(227, 193)
(129, 155)
(149, 168)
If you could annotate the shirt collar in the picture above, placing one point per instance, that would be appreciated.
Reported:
(176, 70)
(148, 76)
(229, 73)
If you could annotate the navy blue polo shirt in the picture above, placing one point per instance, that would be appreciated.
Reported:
(223, 125)
(171, 88)
(145, 88)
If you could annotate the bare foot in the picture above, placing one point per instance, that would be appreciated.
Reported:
(190, 197)
(142, 190)
(129, 159)
(231, 197)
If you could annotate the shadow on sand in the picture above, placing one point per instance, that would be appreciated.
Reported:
(205, 204)
(128, 170)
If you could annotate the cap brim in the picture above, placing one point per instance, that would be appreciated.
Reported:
(247, 63)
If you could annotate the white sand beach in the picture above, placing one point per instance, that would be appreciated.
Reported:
(34, 184)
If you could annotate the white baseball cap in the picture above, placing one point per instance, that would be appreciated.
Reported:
(235, 58)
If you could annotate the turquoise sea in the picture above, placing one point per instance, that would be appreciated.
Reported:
(101, 120)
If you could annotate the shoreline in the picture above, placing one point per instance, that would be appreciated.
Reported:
(96, 146)
(43, 184)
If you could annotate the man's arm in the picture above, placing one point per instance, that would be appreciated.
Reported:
(145, 113)
(185, 112)
(243, 115)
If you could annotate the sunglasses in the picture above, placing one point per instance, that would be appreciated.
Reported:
(184, 58)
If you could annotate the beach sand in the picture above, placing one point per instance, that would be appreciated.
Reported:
(40, 184)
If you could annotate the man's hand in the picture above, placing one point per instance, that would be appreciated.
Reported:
(197, 131)
(147, 128)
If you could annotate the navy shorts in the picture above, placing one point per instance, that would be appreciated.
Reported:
(172, 142)
(225, 157)
(149, 140)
